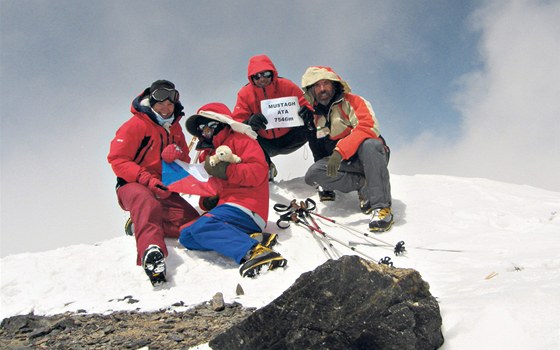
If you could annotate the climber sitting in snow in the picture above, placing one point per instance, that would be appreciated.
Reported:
(135, 157)
(234, 223)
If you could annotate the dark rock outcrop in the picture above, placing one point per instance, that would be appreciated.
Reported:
(166, 329)
(349, 303)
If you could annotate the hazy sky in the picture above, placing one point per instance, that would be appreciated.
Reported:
(464, 88)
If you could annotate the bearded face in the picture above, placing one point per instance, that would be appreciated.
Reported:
(323, 91)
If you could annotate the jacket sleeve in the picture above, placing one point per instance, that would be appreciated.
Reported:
(123, 151)
(242, 110)
(364, 125)
(253, 169)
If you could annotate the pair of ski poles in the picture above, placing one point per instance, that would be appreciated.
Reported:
(303, 214)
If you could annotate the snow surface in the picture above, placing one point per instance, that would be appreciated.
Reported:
(500, 290)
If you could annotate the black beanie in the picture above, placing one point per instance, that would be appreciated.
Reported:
(157, 85)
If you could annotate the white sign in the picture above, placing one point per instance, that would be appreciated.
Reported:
(281, 112)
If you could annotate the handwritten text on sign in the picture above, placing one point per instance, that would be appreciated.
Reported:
(281, 112)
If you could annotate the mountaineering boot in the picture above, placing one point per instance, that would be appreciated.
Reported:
(153, 263)
(365, 205)
(266, 239)
(325, 195)
(261, 256)
(272, 172)
(381, 220)
(129, 227)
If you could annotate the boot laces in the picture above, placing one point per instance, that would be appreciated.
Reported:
(381, 213)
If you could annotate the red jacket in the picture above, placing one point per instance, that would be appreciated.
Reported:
(247, 182)
(138, 143)
(250, 96)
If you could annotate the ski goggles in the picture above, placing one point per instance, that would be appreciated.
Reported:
(163, 94)
(207, 129)
(265, 74)
(211, 125)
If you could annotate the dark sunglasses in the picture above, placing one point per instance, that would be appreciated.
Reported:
(266, 74)
(212, 125)
(163, 94)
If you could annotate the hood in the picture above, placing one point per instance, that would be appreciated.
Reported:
(260, 63)
(141, 104)
(316, 73)
(221, 113)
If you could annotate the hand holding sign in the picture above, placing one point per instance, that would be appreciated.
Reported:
(257, 122)
(281, 112)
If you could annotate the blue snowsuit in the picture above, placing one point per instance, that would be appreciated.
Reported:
(207, 233)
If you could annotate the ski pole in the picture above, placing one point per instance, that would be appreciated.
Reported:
(287, 211)
(386, 260)
(421, 248)
(192, 142)
(290, 214)
(321, 245)
(315, 228)
(303, 210)
(309, 206)
(398, 248)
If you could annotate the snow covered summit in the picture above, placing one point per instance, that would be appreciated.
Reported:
(488, 249)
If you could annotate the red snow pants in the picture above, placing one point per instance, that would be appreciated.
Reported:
(154, 218)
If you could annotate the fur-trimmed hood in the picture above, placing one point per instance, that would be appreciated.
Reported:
(221, 113)
(315, 73)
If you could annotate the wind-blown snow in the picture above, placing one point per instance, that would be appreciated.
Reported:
(496, 275)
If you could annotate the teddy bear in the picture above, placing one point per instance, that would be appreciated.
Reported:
(224, 154)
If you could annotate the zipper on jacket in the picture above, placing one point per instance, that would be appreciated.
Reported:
(145, 145)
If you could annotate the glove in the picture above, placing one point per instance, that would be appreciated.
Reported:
(173, 152)
(209, 203)
(321, 109)
(219, 170)
(257, 122)
(307, 115)
(154, 184)
(334, 164)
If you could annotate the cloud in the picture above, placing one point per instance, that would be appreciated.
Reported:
(70, 71)
(510, 129)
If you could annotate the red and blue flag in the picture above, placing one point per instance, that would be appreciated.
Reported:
(188, 178)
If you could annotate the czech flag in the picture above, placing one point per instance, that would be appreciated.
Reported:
(188, 178)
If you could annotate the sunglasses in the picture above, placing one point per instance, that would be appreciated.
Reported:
(163, 94)
(212, 125)
(266, 74)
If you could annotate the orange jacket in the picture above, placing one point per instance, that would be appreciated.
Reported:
(350, 119)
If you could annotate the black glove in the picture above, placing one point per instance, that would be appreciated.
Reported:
(210, 203)
(219, 170)
(321, 109)
(257, 122)
(307, 115)
(334, 164)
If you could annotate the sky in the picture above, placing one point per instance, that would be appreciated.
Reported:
(462, 88)
(491, 261)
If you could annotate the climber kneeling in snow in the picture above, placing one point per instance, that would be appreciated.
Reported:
(234, 223)
(349, 152)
